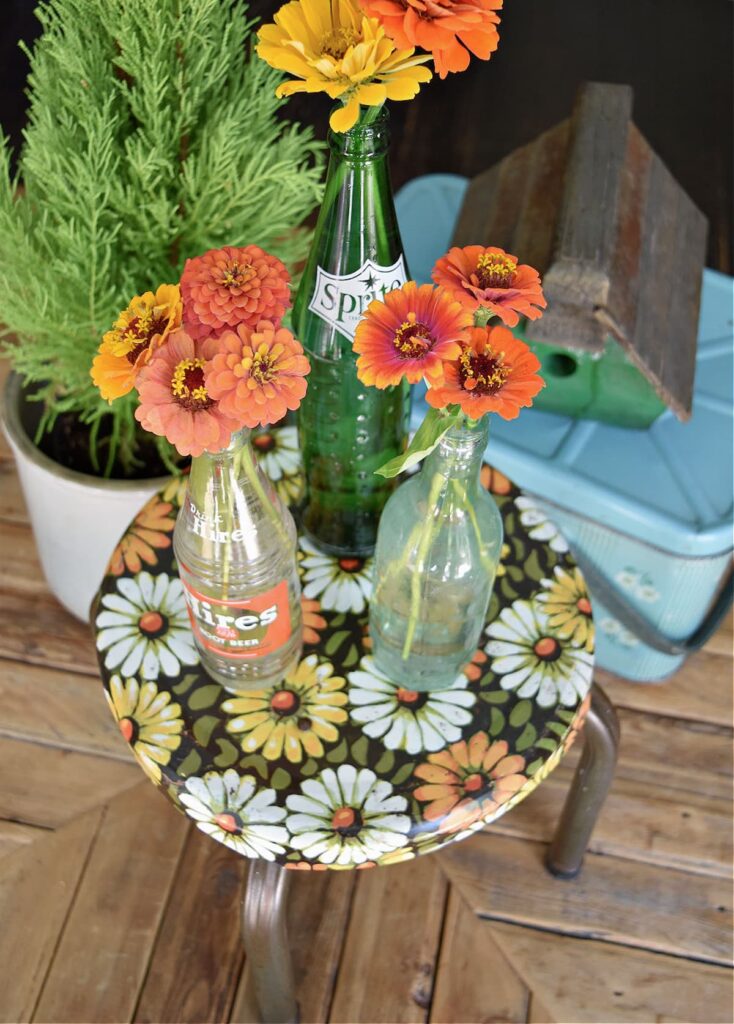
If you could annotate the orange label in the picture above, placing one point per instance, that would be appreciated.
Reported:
(240, 629)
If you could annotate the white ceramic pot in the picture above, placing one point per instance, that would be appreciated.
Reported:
(77, 519)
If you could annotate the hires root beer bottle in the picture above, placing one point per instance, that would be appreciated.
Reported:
(235, 544)
(348, 430)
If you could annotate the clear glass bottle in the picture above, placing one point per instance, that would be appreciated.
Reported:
(235, 544)
(347, 430)
(437, 554)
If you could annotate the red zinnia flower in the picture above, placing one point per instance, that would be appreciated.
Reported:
(226, 287)
(496, 372)
(258, 375)
(490, 277)
(174, 401)
(448, 29)
(408, 335)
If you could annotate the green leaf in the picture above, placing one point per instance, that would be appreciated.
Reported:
(280, 779)
(403, 774)
(190, 765)
(425, 439)
(533, 568)
(203, 728)
(257, 762)
(351, 658)
(205, 696)
(228, 754)
(521, 713)
(534, 766)
(338, 754)
(558, 728)
(359, 751)
(495, 696)
(334, 642)
(385, 764)
(547, 744)
(186, 683)
(309, 767)
(496, 722)
(526, 738)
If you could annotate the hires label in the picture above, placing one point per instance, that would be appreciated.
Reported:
(341, 301)
(240, 629)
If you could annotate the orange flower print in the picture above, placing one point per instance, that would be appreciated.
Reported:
(492, 279)
(578, 723)
(451, 30)
(313, 622)
(494, 481)
(496, 372)
(474, 669)
(149, 532)
(468, 781)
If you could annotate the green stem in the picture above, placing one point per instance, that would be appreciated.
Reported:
(250, 467)
(466, 503)
(427, 536)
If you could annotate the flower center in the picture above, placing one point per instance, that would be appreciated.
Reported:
(228, 822)
(129, 729)
(584, 605)
(236, 275)
(263, 366)
(336, 42)
(482, 372)
(264, 442)
(346, 821)
(153, 624)
(474, 782)
(350, 564)
(284, 702)
(413, 339)
(547, 648)
(410, 698)
(495, 270)
(187, 385)
(133, 339)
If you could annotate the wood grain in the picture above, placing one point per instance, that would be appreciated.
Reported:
(38, 630)
(19, 559)
(110, 931)
(617, 900)
(14, 836)
(614, 984)
(474, 981)
(390, 952)
(198, 954)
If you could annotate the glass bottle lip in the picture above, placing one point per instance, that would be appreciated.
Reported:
(363, 140)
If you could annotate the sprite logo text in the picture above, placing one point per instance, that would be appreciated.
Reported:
(341, 301)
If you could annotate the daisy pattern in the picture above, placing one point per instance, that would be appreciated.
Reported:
(229, 808)
(566, 601)
(149, 721)
(539, 526)
(532, 658)
(347, 817)
(405, 719)
(144, 627)
(280, 459)
(341, 584)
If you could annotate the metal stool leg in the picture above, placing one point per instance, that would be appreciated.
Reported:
(588, 790)
(266, 942)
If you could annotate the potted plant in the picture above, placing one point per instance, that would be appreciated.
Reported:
(153, 135)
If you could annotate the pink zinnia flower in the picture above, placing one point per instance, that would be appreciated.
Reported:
(174, 401)
(229, 286)
(258, 375)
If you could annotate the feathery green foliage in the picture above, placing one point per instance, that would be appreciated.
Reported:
(152, 137)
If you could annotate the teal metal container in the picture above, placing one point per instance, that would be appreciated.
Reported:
(648, 513)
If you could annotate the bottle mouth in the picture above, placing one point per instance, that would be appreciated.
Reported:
(369, 137)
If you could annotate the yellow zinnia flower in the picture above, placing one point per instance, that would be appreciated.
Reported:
(330, 46)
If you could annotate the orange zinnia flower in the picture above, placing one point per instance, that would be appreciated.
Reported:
(408, 335)
(226, 287)
(496, 372)
(174, 401)
(258, 375)
(468, 781)
(493, 279)
(448, 29)
(138, 331)
(148, 532)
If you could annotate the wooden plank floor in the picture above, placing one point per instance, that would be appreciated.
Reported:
(113, 908)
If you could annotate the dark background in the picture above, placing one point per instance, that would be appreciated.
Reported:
(676, 54)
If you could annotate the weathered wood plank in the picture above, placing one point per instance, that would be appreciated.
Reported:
(391, 948)
(474, 981)
(100, 962)
(46, 786)
(537, 1013)
(722, 642)
(38, 630)
(14, 836)
(12, 504)
(37, 886)
(615, 899)
(614, 984)
(198, 954)
(19, 559)
(59, 709)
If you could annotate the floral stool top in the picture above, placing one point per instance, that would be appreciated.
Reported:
(337, 766)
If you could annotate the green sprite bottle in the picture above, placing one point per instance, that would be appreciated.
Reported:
(347, 430)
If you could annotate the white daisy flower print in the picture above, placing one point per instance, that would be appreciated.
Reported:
(280, 459)
(539, 526)
(341, 584)
(144, 627)
(347, 816)
(229, 808)
(405, 719)
(532, 658)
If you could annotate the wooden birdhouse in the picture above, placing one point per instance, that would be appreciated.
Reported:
(620, 248)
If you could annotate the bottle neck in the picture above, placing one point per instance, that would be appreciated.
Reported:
(460, 452)
(368, 140)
